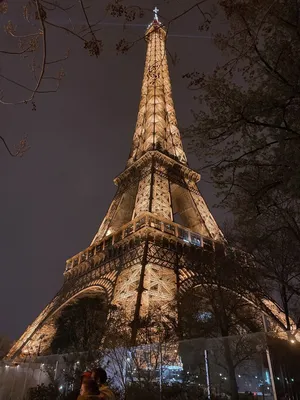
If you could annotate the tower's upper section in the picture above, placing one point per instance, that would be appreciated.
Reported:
(156, 127)
(157, 182)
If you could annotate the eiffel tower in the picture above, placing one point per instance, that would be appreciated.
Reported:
(136, 259)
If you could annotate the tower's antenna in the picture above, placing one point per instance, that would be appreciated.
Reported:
(156, 10)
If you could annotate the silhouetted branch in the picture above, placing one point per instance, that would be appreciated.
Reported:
(21, 148)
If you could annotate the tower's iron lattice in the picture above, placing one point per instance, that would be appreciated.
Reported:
(139, 258)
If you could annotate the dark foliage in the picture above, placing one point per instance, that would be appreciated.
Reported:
(168, 392)
(80, 326)
(248, 135)
(43, 392)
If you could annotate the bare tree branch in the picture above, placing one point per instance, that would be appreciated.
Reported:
(21, 148)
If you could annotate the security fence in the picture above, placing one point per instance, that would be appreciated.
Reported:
(260, 365)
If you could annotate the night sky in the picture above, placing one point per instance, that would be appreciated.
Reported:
(55, 197)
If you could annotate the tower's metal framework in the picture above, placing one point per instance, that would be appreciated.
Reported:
(139, 257)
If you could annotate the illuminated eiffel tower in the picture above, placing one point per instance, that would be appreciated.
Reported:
(137, 258)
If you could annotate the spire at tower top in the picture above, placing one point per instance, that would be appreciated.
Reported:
(156, 127)
(156, 10)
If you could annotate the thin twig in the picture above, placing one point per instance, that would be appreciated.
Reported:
(21, 148)
(42, 71)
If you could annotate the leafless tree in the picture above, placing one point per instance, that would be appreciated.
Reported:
(31, 27)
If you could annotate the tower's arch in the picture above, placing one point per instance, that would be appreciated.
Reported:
(270, 309)
(38, 336)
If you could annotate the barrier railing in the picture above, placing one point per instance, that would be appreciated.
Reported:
(234, 367)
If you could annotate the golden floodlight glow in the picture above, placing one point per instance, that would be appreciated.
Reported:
(138, 259)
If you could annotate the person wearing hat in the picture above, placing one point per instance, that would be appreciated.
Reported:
(89, 390)
(100, 377)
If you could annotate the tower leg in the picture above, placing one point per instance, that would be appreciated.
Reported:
(140, 290)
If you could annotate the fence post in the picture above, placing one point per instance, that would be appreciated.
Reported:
(55, 371)
(13, 383)
(269, 358)
(25, 382)
(207, 373)
(39, 380)
(160, 370)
